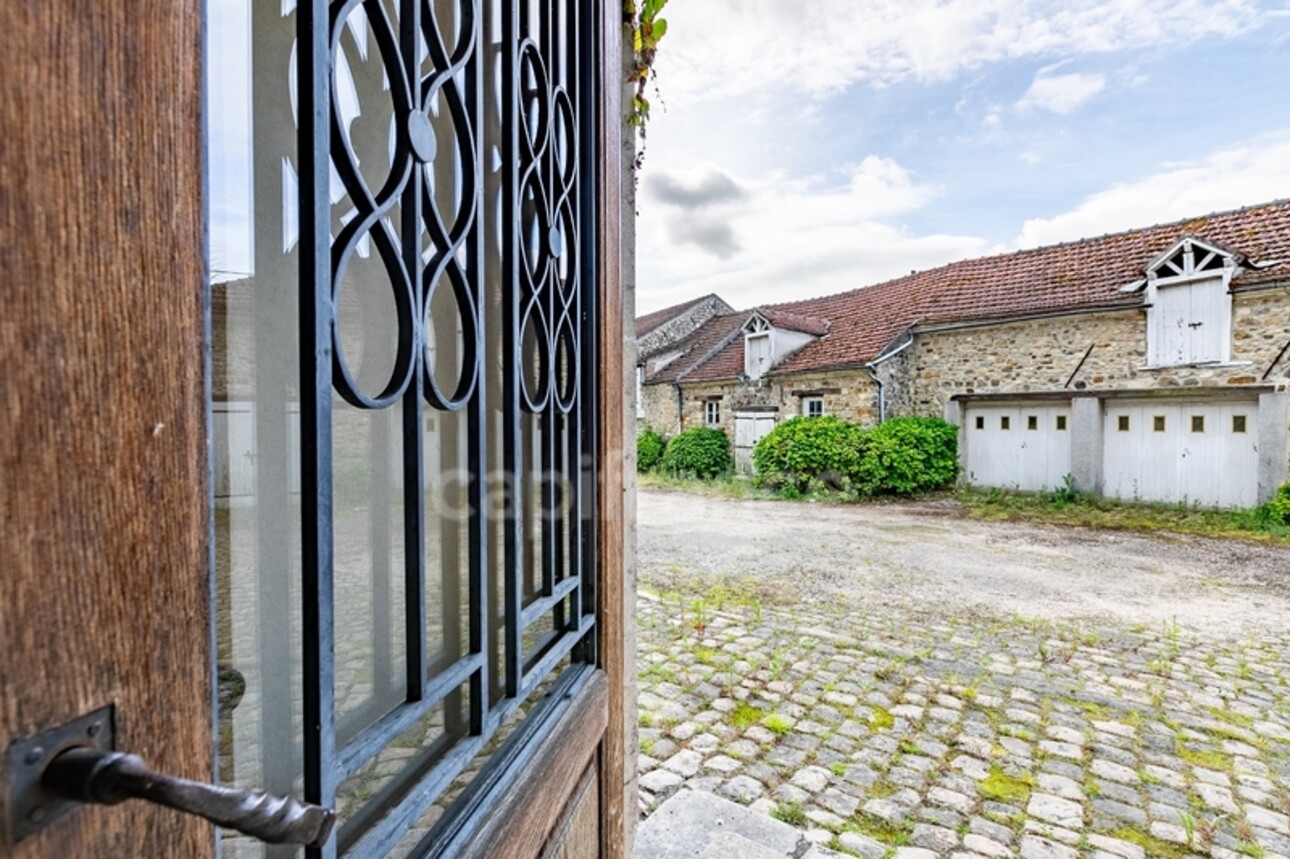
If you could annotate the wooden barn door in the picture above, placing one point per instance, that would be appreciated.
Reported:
(310, 433)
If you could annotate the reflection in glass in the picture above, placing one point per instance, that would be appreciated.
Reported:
(255, 403)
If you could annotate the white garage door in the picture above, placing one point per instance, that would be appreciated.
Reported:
(1018, 447)
(1194, 453)
(750, 428)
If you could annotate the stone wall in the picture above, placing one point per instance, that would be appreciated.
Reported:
(680, 326)
(1043, 354)
(849, 394)
(658, 409)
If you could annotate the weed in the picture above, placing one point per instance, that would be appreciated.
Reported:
(778, 723)
(1001, 787)
(1189, 826)
(881, 789)
(893, 834)
(881, 719)
(1152, 845)
(744, 716)
(1208, 760)
(790, 813)
(646, 745)
(837, 768)
(1109, 513)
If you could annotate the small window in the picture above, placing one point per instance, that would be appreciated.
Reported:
(1122, 423)
(1197, 423)
(712, 413)
(1005, 422)
(813, 407)
(1238, 423)
(1032, 422)
(1158, 423)
(1061, 423)
(980, 421)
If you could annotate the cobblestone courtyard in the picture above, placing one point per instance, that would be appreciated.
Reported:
(911, 725)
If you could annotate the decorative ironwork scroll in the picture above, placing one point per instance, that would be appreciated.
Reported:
(448, 293)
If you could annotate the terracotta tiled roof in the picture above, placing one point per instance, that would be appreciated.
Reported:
(650, 321)
(790, 321)
(1081, 275)
(698, 348)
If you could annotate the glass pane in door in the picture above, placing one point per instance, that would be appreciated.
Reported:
(255, 408)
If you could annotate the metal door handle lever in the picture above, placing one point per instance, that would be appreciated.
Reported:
(106, 778)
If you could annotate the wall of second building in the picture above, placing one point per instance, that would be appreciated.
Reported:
(658, 409)
(849, 394)
(1044, 355)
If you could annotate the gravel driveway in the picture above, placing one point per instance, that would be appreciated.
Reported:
(926, 557)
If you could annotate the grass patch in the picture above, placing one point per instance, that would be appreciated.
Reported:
(1066, 508)
(744, 716)
(790, 813)
(881, 718)
(1208, 760)
(778, 723)
(1001, 787)
(646, 745)
(890, 834)
(726, 486)
(881, 789)
(1152, 845)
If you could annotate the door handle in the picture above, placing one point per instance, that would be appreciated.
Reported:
(101, 777)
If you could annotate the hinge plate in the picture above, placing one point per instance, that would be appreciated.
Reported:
(30, 807)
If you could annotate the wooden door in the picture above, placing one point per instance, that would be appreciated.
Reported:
(401, 595)
(105, 590)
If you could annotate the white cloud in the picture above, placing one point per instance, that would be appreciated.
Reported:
(793, 238)
(727, 48)
(1255, 172)
(1061, 94)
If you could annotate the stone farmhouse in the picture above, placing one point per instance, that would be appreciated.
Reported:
(1150, 364)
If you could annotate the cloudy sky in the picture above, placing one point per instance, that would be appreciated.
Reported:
(802, 147)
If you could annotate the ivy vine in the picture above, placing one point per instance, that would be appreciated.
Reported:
(647, 29)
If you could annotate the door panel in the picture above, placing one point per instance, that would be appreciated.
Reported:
(1021, 447)
(750, 428)
(105, 592)
(1182, 453)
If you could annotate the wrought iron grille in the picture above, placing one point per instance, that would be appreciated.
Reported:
(466, 193)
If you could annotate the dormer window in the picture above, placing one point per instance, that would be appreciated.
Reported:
(758, 348)
(1189, 320)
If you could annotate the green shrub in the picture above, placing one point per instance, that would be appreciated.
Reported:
(905, 456)
(805, 453)
(649, 449)
(698, 452)
(1277, 510)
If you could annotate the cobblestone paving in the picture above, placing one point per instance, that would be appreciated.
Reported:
(908, 735)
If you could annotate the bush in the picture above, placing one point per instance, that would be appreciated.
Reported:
(698, 452)
(649, 449)
(905, 456)
(1277, 510)
(805, 453)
